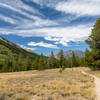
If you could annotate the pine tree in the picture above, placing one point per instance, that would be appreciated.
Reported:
(94, 38)
(52, 61)
(42, 63)
(14, 65)
(61, 58)
(82, 62)
(35, 64)
(19, 63)
(6, 66)
(73, 59)
(87, 55)
(26, 64)
(94, 43)
(69, 62)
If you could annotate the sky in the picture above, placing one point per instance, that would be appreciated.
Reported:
(48, 25)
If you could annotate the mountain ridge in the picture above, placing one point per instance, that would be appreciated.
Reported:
(68, 54)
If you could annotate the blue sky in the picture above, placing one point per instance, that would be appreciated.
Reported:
(48, 25)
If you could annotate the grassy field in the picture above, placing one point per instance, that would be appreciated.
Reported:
(47, 85)
(96, 73)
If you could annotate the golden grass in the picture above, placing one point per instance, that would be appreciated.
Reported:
(96, 73)
(47, 85)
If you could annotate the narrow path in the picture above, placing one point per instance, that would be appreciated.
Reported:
(97, 84)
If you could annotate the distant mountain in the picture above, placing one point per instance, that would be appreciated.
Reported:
(8, 48)
(68, 54)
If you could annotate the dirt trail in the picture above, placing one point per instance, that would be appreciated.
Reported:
(97, 84)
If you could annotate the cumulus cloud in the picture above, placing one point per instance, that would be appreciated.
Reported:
(42, 44)
(27, 48)
(80, 7)
(67, 34)
(52, 38)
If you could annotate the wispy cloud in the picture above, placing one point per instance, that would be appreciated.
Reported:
(80, 7)
(18, 6)
(35, 24)
(8, 19)
(60, 35)
(42, 44)
(18, 10)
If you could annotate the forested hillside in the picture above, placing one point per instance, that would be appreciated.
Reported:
(12, 56)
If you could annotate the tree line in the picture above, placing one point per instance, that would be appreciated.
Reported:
(41, 63)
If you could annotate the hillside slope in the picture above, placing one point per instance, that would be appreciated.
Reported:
(14, 58)
(14, 49)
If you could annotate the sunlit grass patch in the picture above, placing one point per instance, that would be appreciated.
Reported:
(71, 84)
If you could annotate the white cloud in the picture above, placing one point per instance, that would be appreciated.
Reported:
(42, 44)
(17, 5)
(8, 19)
(41, 27)
(48, 3)
(27, 48)
(38, 22)
(61, 35)
(43, 22)
(80, 7)
(20, 22)
(77, 7)
(17, 10)
(52, 38)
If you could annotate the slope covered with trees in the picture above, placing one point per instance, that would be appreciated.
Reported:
(13, 57)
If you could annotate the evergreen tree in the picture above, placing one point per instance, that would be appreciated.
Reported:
(61, 59)
(35, 64)
(14, 65)
(52, 61)
(82, 62)
(5, 67)
(42, 63)
(88, 57)
(26, 64)
(69, 62)
(94, 42)
(19, 63)
(75, 60)
(94, 38)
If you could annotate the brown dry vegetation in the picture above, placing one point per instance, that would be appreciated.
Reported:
(47, 85)
(96, 73)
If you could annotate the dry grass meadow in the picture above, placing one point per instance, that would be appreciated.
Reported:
(96, 73)
(71, 84)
